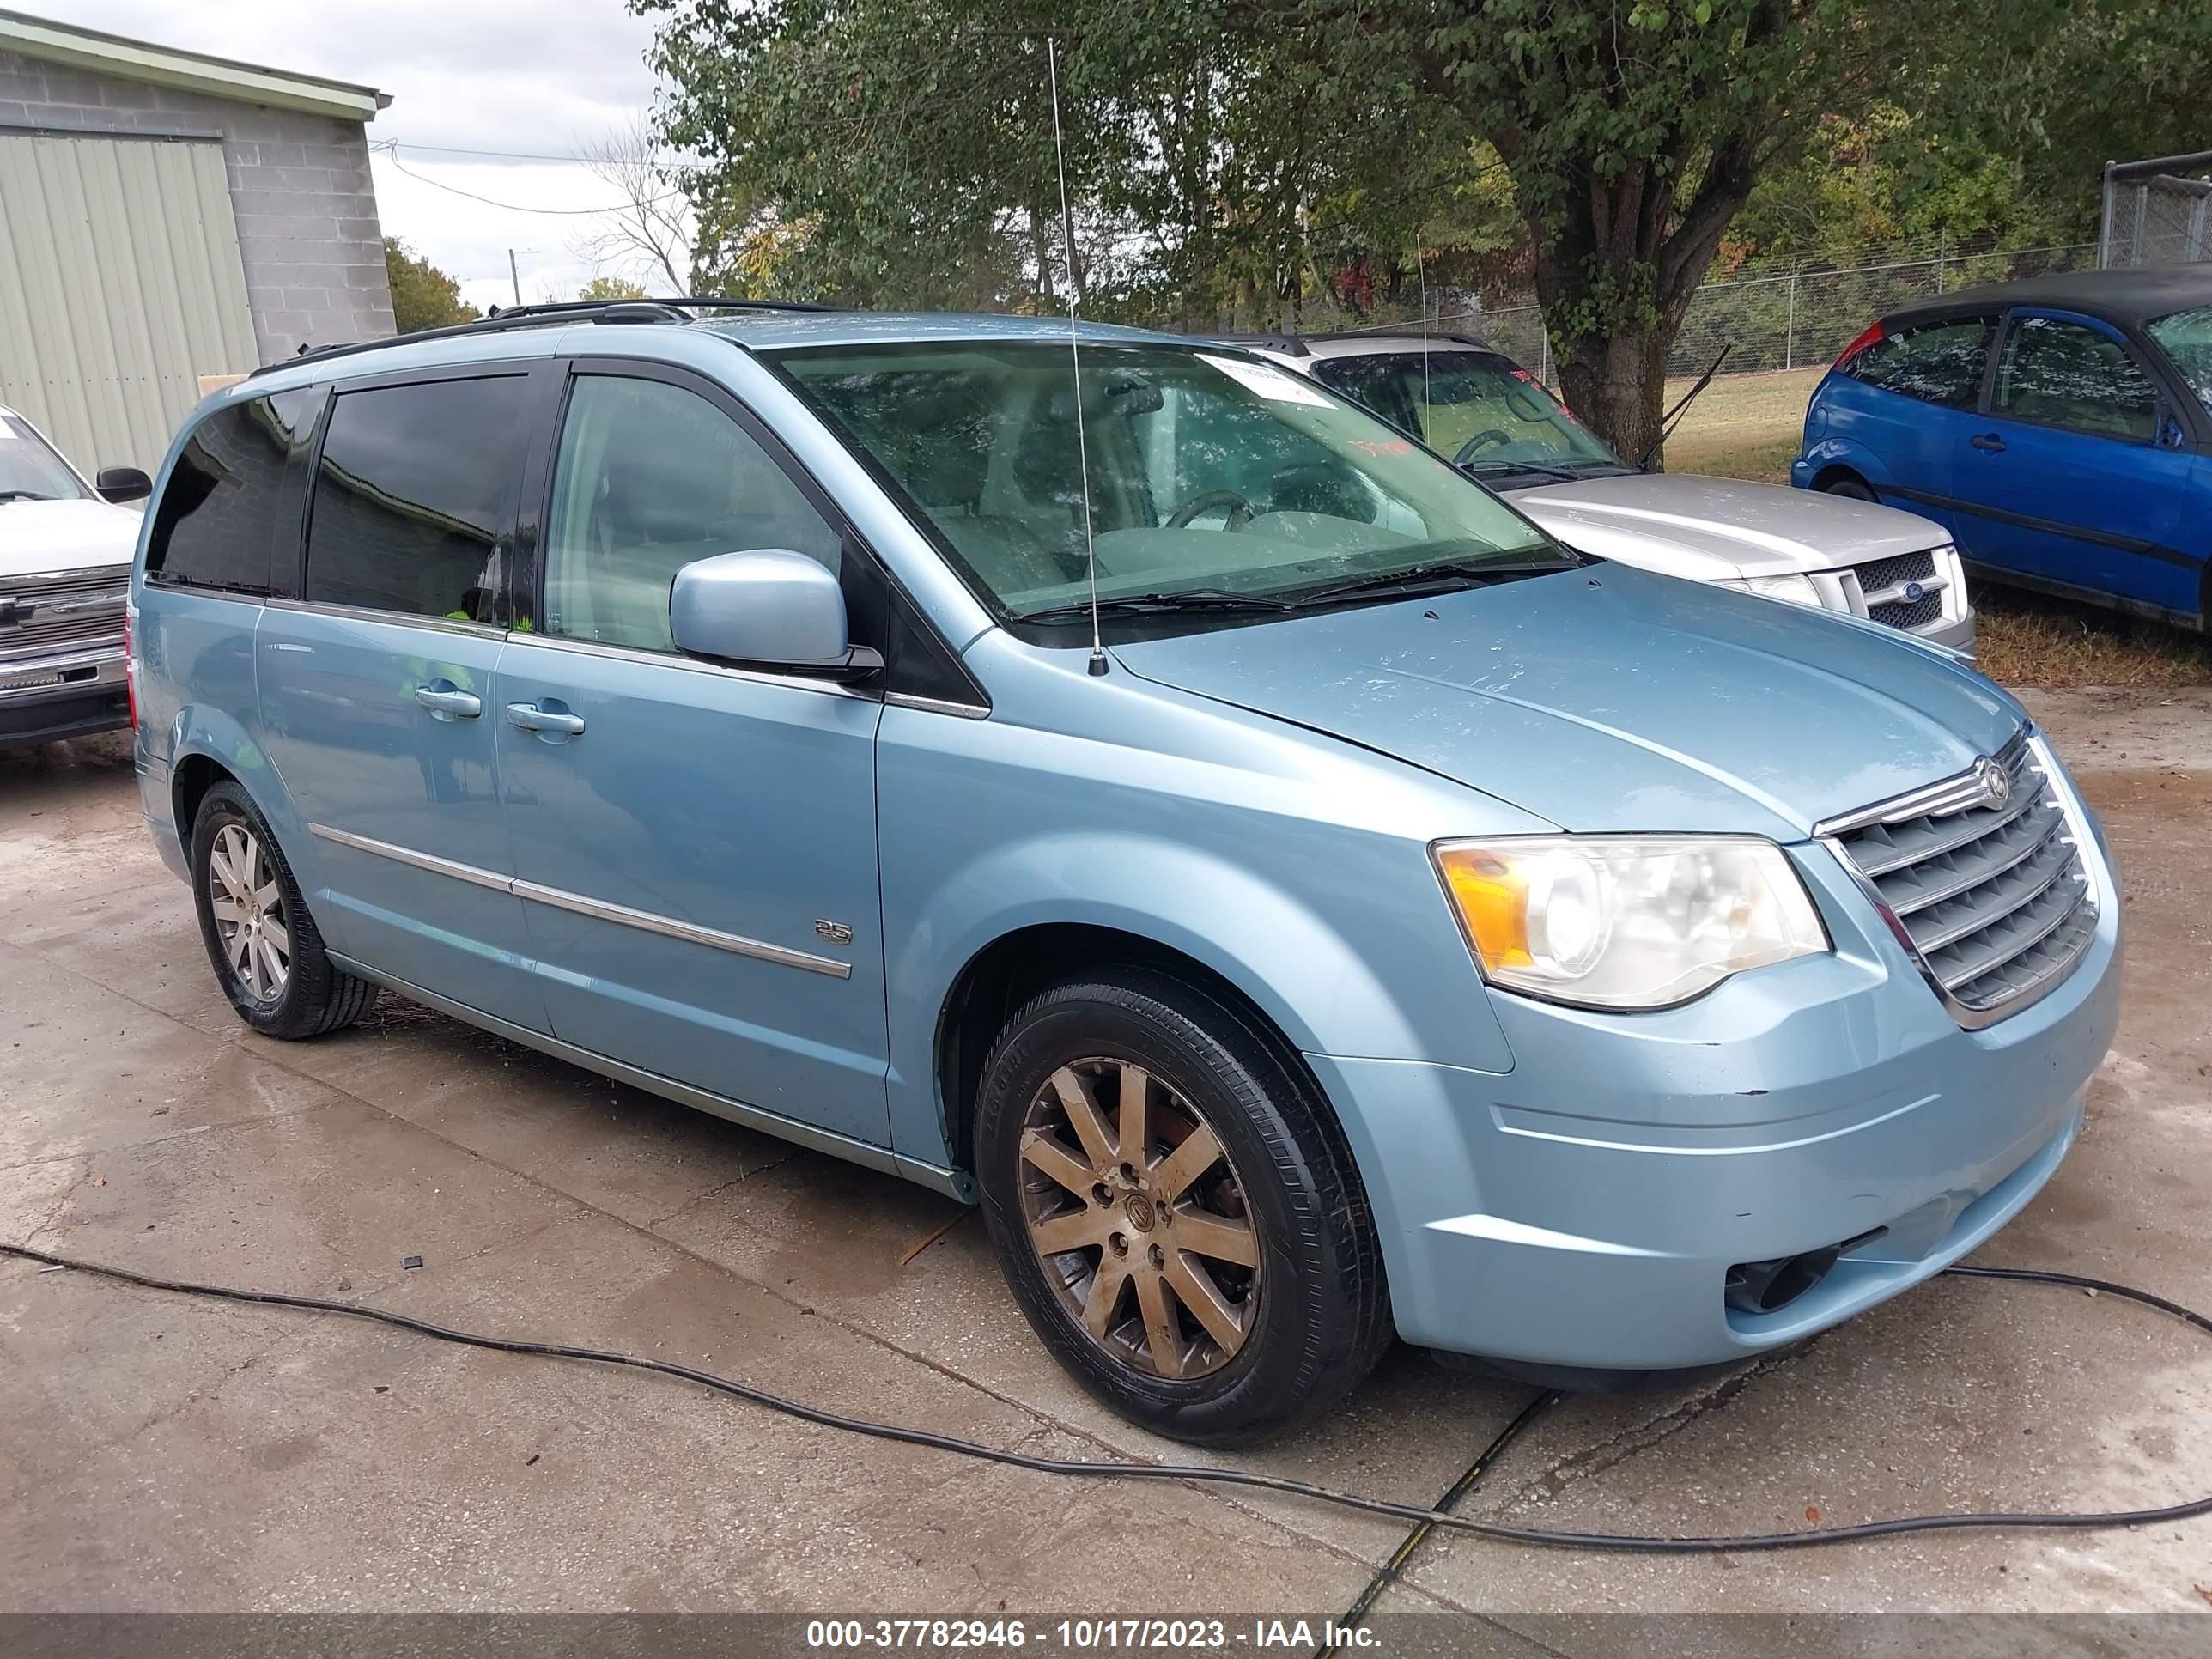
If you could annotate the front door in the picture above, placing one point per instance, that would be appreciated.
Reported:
(695, 846)
(376, 687)
(2067, 479)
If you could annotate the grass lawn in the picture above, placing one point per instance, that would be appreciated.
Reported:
(1746, 426)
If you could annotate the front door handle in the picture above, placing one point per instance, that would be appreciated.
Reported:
(1988, 442)
(550, 722)
(446, 702)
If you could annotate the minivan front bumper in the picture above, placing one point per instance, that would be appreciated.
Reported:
(1585, 1209)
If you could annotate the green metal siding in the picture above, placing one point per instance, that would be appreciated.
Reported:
(121, 283)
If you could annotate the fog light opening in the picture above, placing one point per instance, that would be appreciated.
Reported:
(1765, 1288)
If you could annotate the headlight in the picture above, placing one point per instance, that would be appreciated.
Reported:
(1626, 921)
(1792, 590)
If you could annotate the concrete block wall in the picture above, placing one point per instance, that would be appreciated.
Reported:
(299, 188)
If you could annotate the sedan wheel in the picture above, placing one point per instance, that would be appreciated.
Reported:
(1139, 1218)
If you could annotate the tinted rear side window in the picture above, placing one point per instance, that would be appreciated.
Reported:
(413, 493)
(233, 499)
(1937, 363)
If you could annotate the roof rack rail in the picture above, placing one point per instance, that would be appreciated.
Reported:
(1284, 342)
(498, 319)
(1410, 330)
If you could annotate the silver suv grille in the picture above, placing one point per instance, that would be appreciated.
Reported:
(1881, 589)
(43, 613)
(1994, 896)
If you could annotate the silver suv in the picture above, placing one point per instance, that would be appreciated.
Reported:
(1497, 421)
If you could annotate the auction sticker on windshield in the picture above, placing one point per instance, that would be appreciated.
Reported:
(1271, 383)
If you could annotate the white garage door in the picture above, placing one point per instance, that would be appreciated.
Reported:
(120, 285)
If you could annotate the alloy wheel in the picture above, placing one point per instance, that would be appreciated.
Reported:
(1139, 1218)
(249, 919)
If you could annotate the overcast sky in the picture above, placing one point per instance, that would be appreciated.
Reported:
(538, 77)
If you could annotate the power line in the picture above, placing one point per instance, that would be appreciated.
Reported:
(391, 151)
(523, 154)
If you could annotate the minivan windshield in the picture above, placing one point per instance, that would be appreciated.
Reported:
(29, 469)
(1215, 480)
(1488, 414)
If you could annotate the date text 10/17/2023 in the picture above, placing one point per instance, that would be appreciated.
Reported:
(1099, 1635)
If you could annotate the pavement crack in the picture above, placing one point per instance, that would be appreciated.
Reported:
(1563, 1472)
(697, 1199)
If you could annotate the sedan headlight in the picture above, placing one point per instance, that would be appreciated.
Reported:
(1791, 590)
(1626, 921)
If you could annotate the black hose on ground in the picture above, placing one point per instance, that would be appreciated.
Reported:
(1249, 1479)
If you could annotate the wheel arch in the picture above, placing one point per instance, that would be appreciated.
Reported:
(190, 780)
(1836, 472)
(1020, 964)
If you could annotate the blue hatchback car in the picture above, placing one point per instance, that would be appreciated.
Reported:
(1298, 899)
(2060, 427)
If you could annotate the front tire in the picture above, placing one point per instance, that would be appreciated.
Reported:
(266, 951)
(1855, 489)
(1176, 1211)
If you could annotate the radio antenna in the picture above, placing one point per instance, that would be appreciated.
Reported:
(1421, 270)
(1075, 355)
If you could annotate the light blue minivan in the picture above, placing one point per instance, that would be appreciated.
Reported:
(1134, 788)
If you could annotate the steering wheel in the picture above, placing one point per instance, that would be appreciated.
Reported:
(1240, 510)
(1481, 441)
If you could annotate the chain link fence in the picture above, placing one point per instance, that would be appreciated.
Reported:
(2156, 211)
(1779, 313)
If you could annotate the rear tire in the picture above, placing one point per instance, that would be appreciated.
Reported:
(1855, 489)
(266, 951)
(1217, 1291)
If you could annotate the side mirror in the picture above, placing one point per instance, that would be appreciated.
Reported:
(123, 484)
(770, 608)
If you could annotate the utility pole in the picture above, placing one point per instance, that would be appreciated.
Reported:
(514, 275)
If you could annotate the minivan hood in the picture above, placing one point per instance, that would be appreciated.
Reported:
(1609, 699)
(1682, 525)
(41, 536)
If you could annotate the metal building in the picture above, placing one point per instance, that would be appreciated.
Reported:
(167, 218)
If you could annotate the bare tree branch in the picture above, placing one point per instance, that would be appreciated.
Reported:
(652, 232)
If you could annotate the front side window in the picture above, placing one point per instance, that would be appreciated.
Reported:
(1938, 363)
(29, 469)
(2186, 338)
(1210, 474)
(650, 477)
(2061, 373)
(1477, 408)
(412, 491)
(231, 498)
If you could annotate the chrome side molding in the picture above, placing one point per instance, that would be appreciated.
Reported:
(559, 899)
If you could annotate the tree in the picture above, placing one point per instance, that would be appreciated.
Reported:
(423, 296)
(653, 228)
(610, 288)
(1246, 157)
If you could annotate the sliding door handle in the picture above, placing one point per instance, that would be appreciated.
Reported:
(1988, 442)
(547, 722)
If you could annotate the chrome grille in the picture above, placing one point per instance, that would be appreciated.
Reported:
(1909, 613)
(1994, 897)
(1877, 573)
(41, 613)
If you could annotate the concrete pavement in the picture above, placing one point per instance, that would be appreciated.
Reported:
(162, 1454)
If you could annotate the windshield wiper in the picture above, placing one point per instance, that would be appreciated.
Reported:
(1438, 577)
(1197, 599)
(1482, 468)
(22, 496)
